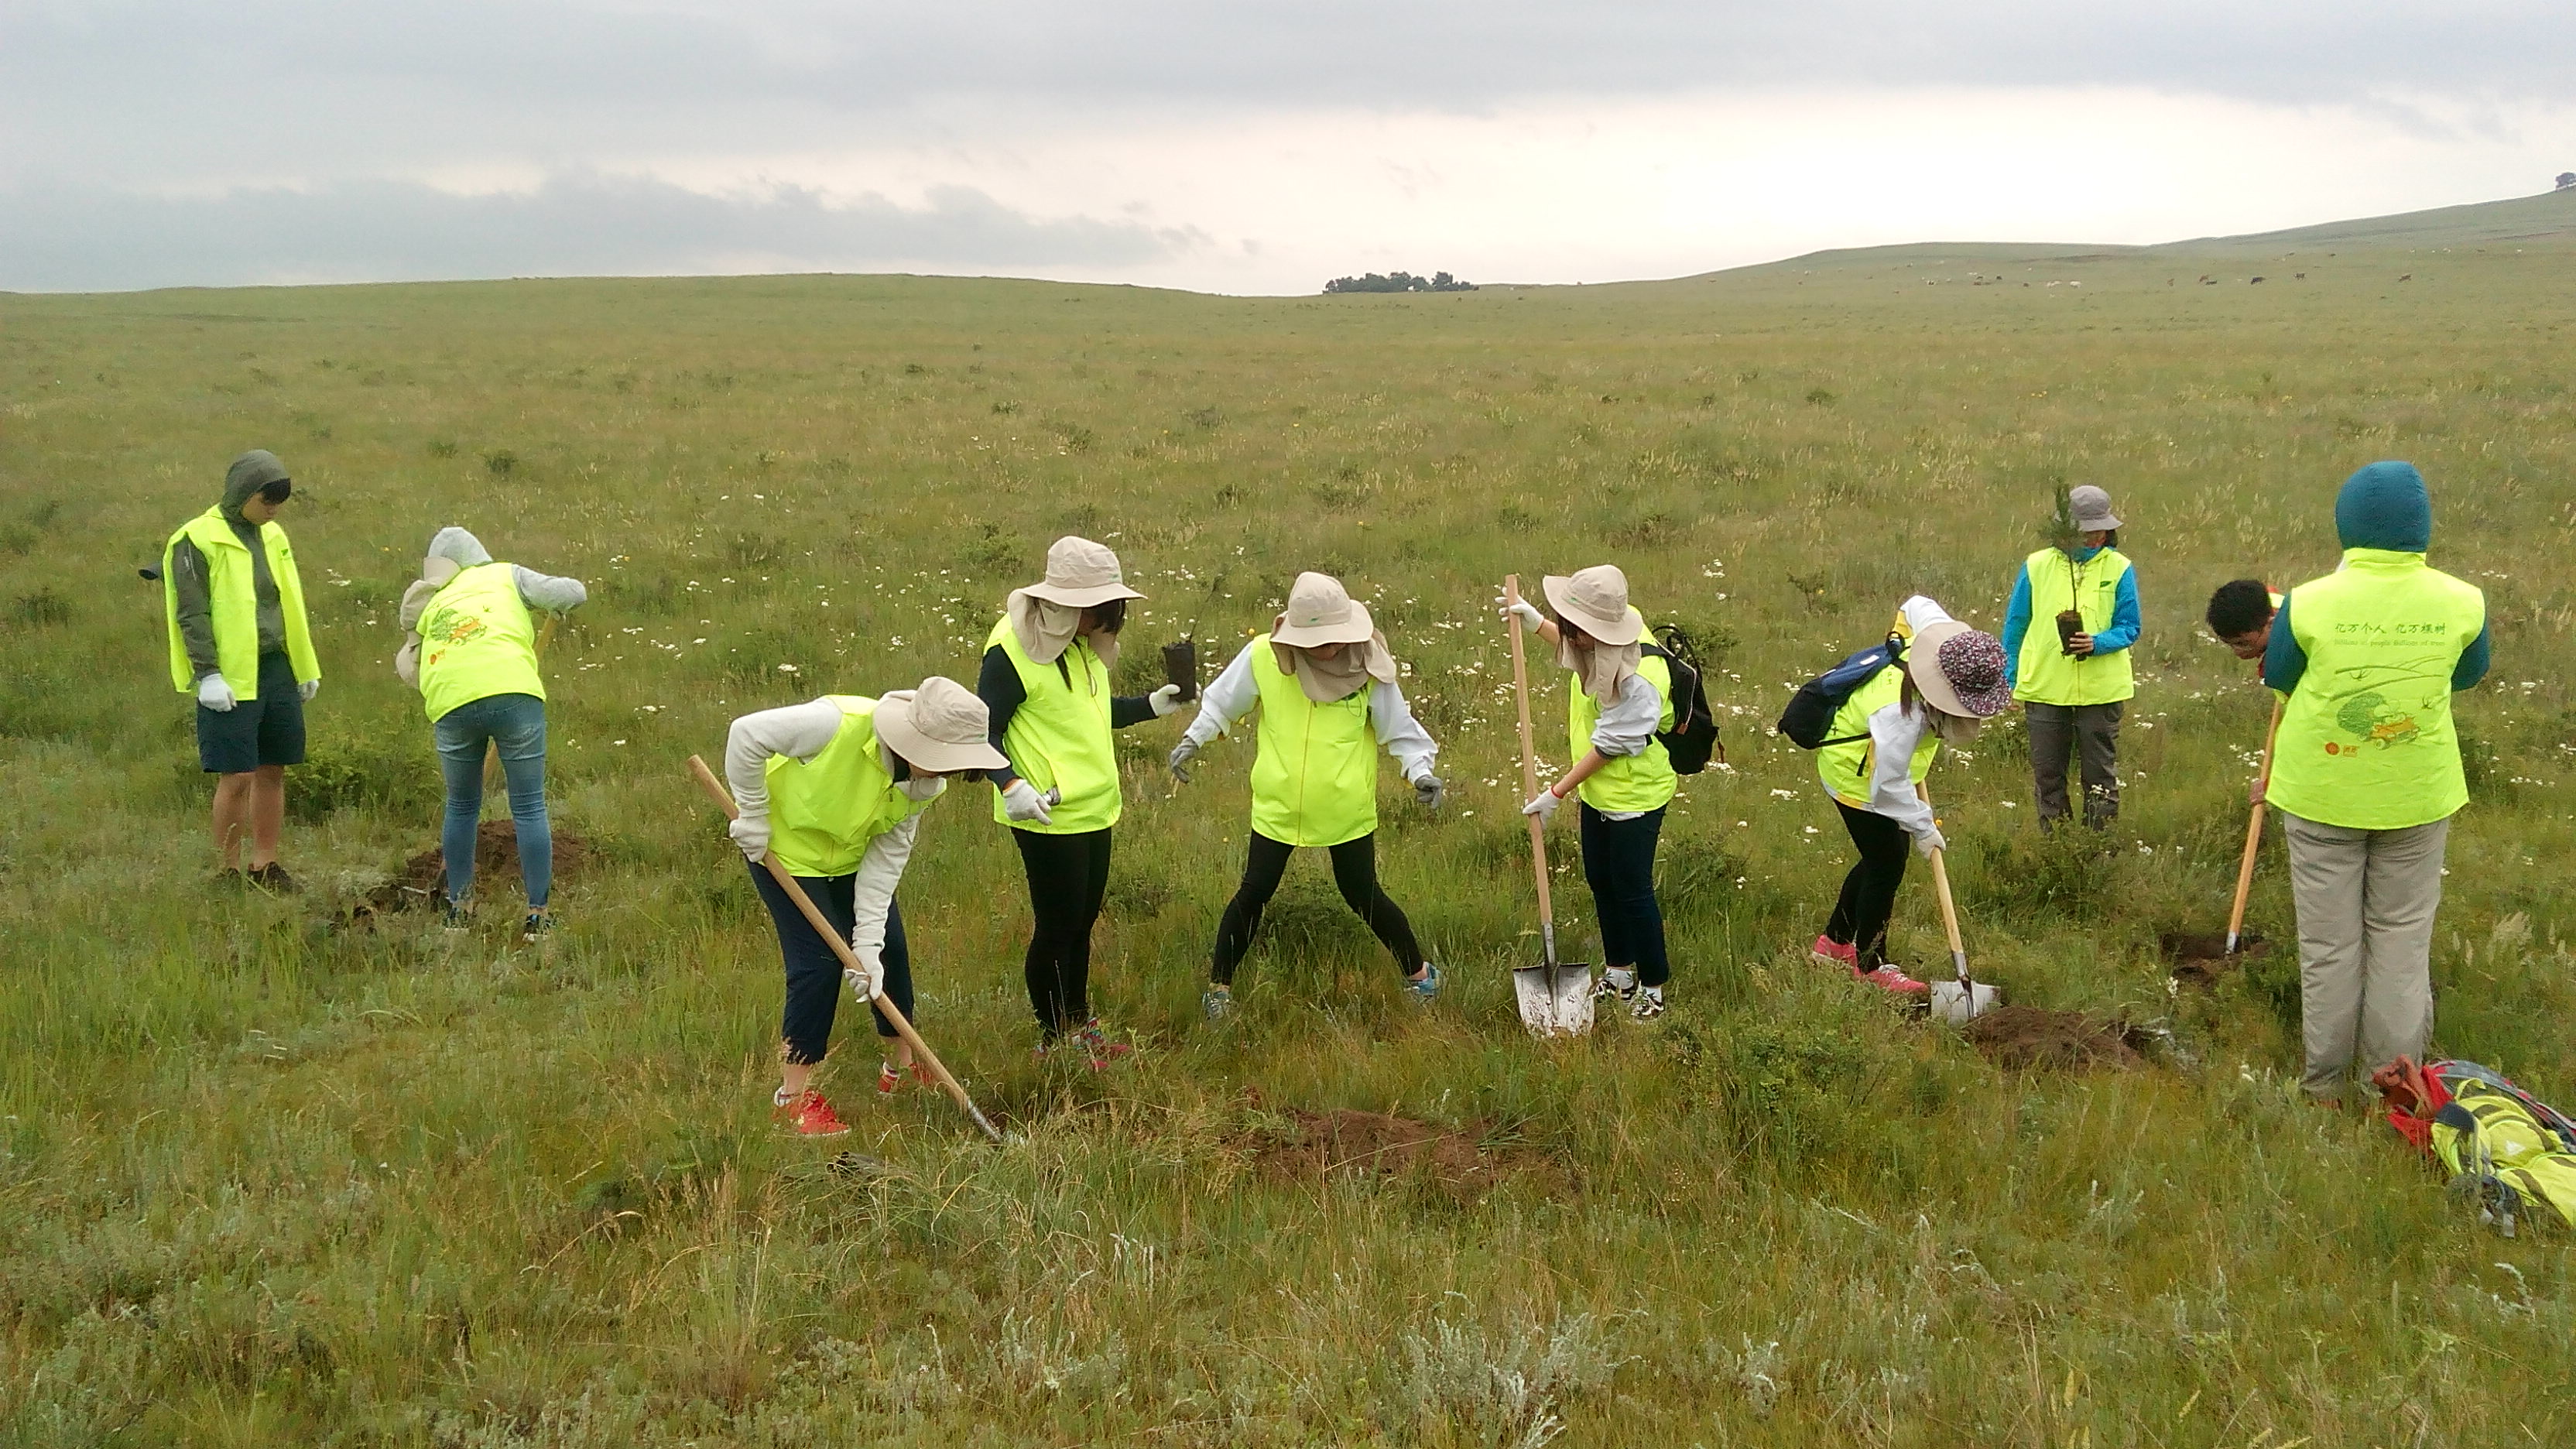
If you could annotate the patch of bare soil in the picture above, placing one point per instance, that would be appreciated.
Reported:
(1382, 1145)
(422, 881)
(2025, 1037)
(2200, 957)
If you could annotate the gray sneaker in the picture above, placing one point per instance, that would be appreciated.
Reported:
(1216, 1003)
(1427, 988)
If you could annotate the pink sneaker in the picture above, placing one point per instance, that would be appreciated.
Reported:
(1834, 953)
(890, 1080)
(1889, 978)
(811, 1116)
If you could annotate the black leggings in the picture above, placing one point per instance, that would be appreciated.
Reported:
(1068, 875)
(1619, 865)
(1354, 870)
(1869, 892)
(814, 969)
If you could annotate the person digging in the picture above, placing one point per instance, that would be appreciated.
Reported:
(2240, 616)
(2072, 674)
(240, 642)
(834, 789)
(1324, 682)
(1046, 677)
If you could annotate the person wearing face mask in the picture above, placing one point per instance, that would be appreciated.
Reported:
(1324, 682)
(240, 643)
(1047, 667)
(2073, 674)
(834, 789)
(1622, 695)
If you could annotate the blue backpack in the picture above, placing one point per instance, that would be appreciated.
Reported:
(1812, 709)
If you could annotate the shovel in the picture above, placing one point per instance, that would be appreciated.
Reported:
(2253, 837)
(1957, 1001)
(1555, 996)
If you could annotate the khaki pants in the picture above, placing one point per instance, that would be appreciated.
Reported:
(2366, 900)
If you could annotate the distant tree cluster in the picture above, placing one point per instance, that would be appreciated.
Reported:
(1399, 282)
(2567, 180)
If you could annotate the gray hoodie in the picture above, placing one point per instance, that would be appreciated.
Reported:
(543, 592)
(249, 473)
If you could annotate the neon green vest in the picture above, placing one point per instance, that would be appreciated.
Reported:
(2046, 673)
(1314, 781)
(235, 606)
(1846, 768)
(2366, 739)
(824, 811)
(476, 641)
(2502, 1138)
(1641, 781)
(1060, 737)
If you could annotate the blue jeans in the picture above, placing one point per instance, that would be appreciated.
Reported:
(517, 724)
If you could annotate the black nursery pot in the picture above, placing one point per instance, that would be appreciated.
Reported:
(1181, 667)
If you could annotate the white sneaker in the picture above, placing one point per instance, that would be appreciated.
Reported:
(1649, 1003)
(1618, 981)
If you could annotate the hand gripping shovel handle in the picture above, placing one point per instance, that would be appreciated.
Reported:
(2253, 835)
(849, 959)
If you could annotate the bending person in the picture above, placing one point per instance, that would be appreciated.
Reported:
(1324, 682)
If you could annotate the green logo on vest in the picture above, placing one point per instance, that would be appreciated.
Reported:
(2371, 720)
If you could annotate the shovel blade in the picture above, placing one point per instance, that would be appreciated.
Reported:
(1960, 1002)
(1554, 1000)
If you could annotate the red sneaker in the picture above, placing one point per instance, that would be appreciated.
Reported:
(890, 1080)
(1889, 978)
(1100, 1046)
(1835, 953)
(811, 1116)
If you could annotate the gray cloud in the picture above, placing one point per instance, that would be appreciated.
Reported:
(59, 238)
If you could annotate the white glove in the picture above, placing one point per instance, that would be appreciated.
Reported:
(869, 980)
(1929, 842)
(1543, 805)
(214, 694)
(751, 832)
(1430, 791)
(1530, 617)
(308, 689)
(1165, 700)
(1179, 761)
(1020, 801)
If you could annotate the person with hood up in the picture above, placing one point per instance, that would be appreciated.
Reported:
(1047, 667)
(834, 789)
(472, 655)
(240, 643)
(2366, 771)
(2073, 675)
(1880, 749)
(1621, 696)
(1324, 682)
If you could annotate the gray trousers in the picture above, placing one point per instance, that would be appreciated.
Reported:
(2366, 900)
(2089, 730)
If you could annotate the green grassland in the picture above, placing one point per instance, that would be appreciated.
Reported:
(268, 1179)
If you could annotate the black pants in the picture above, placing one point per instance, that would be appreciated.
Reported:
(1354, 870)
(814, 971)
(1068, 875)
(1869, 892)
(1619, 865)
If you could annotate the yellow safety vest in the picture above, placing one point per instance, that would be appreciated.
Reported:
(2366, 739)
(2502, 1139)
(1060, 737)
(1642, 781)
(1845, 768)
(476, 641)
(2046, 673)
(824, 811)
(235, 605)
(1314, 780)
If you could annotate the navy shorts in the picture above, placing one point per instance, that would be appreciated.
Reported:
(268, 730)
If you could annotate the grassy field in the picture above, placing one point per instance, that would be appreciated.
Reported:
(270, 1178)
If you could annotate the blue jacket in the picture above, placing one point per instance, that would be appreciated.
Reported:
(2124, 618)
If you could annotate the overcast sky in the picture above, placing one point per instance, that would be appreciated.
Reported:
(1240, 147)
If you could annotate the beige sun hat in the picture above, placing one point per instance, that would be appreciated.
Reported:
(2092, 509)
(938, 728)
(1595, 600)
(1079, 574)
(1321, 611)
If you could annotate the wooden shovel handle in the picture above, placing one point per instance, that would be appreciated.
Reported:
(2254, 832)
(1529, 770)
(1941, 887)
(849, 959)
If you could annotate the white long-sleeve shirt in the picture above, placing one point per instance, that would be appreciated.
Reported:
(1895, 733)
(1233, 693)
(800, 732)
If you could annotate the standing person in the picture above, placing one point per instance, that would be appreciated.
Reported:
(1881, 746)
(1621, 696)
(473, 656)
(2073, 674)
(834, 789)
(1325, 682)
(2240, 616)
(1047, 667)
(240, 643)
(2366, 771)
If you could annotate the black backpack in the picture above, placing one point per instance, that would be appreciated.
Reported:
(1812, 709)
(1693, 737)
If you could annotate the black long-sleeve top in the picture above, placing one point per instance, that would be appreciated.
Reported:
(998, 685)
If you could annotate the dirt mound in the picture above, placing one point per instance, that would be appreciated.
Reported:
(422, 881)
(2024, 1037)
(2200, 957)
(1382, 1145)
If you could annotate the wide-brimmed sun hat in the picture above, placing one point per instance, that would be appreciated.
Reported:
(1595, 600)
(939, 728)
(1959, 670)
(1080, 573)
(2092, 509)
(1321, 611)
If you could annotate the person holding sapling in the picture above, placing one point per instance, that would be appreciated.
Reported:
(1938, 681)
(1621, 698)
(1324, 682)
(2072, 673)
(834, 789)
(472, 655)
(240, 642)
(1047, 667)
